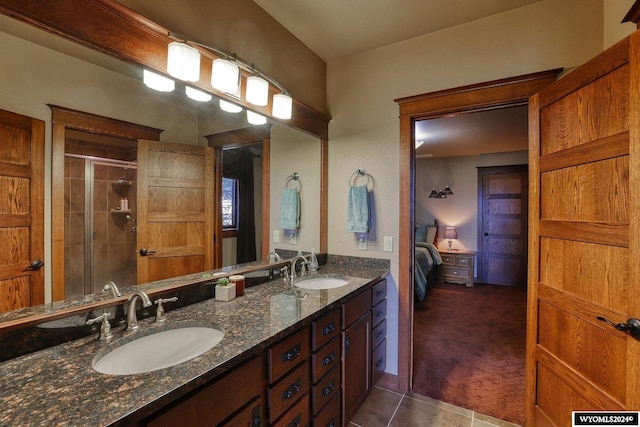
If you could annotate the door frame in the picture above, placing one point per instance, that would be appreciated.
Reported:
(63, 118)
(482, 171)
(496, 94)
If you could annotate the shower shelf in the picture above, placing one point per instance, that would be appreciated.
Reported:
(121, 187)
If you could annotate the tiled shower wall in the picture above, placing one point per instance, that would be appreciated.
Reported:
(113, 238)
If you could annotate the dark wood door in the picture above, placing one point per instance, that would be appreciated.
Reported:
(21, 210)
(356, 366)
(503, 225)
(584, 251)
(175, 210)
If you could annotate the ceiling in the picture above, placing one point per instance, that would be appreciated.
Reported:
(336, 29)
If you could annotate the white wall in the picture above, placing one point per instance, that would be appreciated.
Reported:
(364, 131)
(461, 209)
(293, 151)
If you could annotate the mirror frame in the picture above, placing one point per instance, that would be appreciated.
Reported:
(117, 27)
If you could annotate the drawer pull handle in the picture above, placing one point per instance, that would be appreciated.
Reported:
(379, 314)
(291, 354)
(256, 418)
(380, 292)
(328, 329)
(332, 423)
(329, 359)
(296, 421)
(291, 391)
(380, 335)
(346, 345)
(455, 272)
(328, 389)
(380, 362)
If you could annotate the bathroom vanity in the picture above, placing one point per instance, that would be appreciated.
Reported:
(282, 361)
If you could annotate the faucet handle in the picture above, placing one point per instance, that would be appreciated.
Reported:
(160, 317)
(105, 327)
(285, 273)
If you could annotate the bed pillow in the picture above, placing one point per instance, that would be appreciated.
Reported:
(421, 233)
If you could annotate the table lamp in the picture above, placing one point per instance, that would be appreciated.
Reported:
(450, 233)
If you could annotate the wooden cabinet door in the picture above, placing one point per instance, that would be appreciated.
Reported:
(584, 251)
(356, 365)
(175, 199)
(21, 210)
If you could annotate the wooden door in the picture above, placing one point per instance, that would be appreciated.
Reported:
(175, 210)
(584, 249)
(21, 211)
(503, 225)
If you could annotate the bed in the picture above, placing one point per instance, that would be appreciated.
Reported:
(426, 258)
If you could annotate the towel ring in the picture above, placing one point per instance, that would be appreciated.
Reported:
(295, 177)
(358, 174)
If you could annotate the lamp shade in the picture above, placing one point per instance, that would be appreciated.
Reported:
(225, 76)
(229, 107)
(158, 82)
(282, 106)
(183, 62)
(257, 91)
(450, 233)
(255, 118)
(197, 95)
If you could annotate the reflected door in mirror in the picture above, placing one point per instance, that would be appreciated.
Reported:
(21, 211)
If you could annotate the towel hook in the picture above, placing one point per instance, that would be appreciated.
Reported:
(358, 174)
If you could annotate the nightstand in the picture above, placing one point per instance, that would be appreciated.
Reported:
(456, 267)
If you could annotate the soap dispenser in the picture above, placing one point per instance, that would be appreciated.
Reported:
(313, 261)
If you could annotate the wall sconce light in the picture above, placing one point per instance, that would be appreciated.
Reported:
(282, 106)
(450, 233)
(442, 194)
(225, 76)
(257, 91)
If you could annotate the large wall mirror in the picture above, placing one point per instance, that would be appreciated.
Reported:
(48, 75)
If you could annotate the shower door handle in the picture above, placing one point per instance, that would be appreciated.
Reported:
(145, 252)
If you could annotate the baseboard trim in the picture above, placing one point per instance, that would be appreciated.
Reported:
(389, 382)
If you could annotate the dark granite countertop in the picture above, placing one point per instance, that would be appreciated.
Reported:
(58, 386)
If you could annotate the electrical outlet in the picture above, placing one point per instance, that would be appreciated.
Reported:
(276, 236)
(362, 242)
(388, 243)
(293, 238)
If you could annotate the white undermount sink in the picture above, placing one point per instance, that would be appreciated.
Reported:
(321, 283)
(159, 350)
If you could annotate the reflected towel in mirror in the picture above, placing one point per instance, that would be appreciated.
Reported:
(290, 209)
(358, 217)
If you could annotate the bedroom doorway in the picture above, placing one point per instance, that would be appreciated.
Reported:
(481, 97)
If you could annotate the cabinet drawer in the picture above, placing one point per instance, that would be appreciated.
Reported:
(378, 334)
(325, 328)
(298, 415)
(457, 273)
(379, 312)
(251, 416)
(286, 392)
(448, 259)
(378, 361)
(464, 261)
(329, 416)
(355, 308)
(286, 354)
(325, 359)
(325, 390)
(241, 385)
(378, 292)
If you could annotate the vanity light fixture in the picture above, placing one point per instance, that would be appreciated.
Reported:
(225, 74)
(282, 106)
(158, 82)
(257, 91)
(255, 118)
(229, 107)
(198, 95)
(183, 62)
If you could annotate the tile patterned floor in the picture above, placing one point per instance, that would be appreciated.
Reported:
(384, 408)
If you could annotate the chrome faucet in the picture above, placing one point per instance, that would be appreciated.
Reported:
(273, 256)
(132, 320)
(114, 289)
(105, 326)
(303, 268)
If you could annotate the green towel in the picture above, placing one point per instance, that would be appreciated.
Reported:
(358, 220)
(290, 209)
